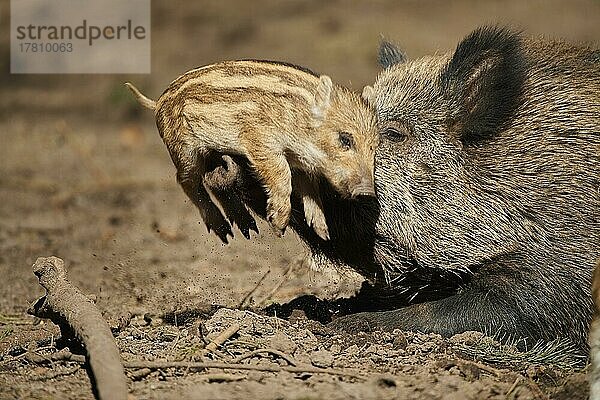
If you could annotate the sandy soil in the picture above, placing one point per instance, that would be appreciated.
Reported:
(84, 176)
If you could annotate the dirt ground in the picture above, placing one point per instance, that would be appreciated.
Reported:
(84, 176)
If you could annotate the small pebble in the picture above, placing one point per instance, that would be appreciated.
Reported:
(335, 349)
(322, 359)
(140, 374)
(371, 349)
(280, 341)
(352, 350)
(399, 342)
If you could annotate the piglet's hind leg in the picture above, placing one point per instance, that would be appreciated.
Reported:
(209, 212)
(221, 181)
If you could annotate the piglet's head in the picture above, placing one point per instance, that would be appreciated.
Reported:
(347, 135)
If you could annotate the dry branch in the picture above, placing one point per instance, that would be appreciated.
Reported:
(154, 365)
(274, 290)
(250, 293)
(222, 338)
(278, 353)
(249, 367)
(56, 374)
(67, 307)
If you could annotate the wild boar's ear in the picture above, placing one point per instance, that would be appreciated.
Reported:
(322, 97)
(389, 54)
(484, 82)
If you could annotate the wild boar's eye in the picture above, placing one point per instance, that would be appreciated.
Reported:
(394, 134)
(346, 140)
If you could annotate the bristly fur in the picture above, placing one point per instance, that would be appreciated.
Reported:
(389, 54)
(285, 64)
(496, 231)
(594, 338)
(487, 178)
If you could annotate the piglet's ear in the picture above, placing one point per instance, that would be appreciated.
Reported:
(322, 97)
(389, 54)
(484, 82)
(368, 94)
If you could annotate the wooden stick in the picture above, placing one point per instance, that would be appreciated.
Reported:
(278, 353)
(249, 367)
(274, 290)
(509, 393)
(222, 338)
(154, 365)
(57, 374)
(250, 293)
(67, 307)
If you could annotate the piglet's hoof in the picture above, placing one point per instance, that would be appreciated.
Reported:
(218, 224)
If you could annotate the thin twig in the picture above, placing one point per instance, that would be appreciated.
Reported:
(278, 353)
(56, 374)
(248, 367)
(513, 387)
(154, 365)
(66, 355)
(140, 374)
(222, 338)
(285, 277)
(25, 354)
(250, 293)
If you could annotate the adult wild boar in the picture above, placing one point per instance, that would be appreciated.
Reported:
(487, 178)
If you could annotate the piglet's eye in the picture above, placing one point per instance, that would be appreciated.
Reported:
(346, 140)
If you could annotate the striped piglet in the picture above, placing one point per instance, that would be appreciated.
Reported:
(281, 118)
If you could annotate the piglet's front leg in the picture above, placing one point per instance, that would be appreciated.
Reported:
(313, 212)
(274, 171)
(313, 207)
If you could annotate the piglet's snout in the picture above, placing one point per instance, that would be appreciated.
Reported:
(365, 187)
